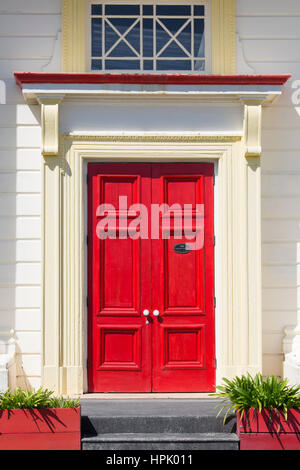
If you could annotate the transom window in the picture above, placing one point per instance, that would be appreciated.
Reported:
(149, 37)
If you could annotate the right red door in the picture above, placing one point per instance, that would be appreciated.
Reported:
(183, 337)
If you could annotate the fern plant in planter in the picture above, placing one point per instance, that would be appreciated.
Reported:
(36, 420)
(268, 411)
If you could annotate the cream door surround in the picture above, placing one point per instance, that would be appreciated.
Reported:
(238, 237)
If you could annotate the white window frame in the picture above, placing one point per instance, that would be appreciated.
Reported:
(207, 33)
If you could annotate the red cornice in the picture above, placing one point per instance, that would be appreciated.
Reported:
(150, 79)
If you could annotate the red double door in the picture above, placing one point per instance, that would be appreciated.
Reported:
(172, 349)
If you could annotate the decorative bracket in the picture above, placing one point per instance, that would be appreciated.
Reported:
(50, 124)
(252, 122)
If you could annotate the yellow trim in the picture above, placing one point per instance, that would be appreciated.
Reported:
(222, 36)
(73, 35)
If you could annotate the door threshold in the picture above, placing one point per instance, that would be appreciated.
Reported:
(147, 396)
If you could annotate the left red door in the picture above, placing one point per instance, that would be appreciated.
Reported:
(119, 288)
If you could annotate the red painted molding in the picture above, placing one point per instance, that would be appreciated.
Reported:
(150, 79)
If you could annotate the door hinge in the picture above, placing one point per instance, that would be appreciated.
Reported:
(214, 179)
(87, 239)
(87, 363)
(215, 302)
(87, 301)
(215, 362)
(214, 240)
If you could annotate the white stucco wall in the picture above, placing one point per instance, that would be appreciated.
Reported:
(269, 40)
(28, 31)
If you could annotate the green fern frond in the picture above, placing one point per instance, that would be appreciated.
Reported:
(30, 399)
(246, 392)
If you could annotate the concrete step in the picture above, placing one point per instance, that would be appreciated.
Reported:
(158, 441)
(156, 425)
(93, 425)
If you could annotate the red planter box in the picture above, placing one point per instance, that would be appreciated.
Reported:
(44, 429)
(269, 430)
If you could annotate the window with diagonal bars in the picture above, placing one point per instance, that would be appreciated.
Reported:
(148, 37)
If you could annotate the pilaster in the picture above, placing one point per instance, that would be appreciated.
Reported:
(223, 36)
(73, 35)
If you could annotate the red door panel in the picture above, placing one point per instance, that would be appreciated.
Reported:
(119, 288)
(183, 283)
(175, 350)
